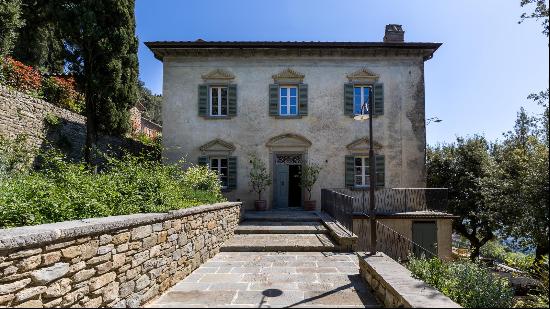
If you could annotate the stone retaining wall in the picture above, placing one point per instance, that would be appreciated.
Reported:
(22, 114)
(121, 261)
(395, 287)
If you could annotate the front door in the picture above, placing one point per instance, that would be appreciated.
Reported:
(287, 191)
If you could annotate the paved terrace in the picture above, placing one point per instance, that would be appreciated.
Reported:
(255, 270)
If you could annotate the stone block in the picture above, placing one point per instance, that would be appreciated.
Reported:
(119, 260)
(121, 238)
(71, 252)
(29, 293)
(105, 249)
(89, 249)
(102, 280)
(51, 258)
(49, 274)
(35, 303)
(127, 288)
(139, 258)
(150, 241)
(99, 259)
(141, 232)
(29, 263)
(111, 292)
(74, 296)
(77, 267)
(59, 288)
(132, 273)
(105, 239)
(83, 275)
(142, 282)
(103, 268)
(24, 253)
(93, 303)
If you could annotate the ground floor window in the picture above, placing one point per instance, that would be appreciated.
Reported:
(362, 173)
(219, 165)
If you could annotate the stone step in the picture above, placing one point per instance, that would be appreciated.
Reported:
(270, 227)
(279, 242)
(281, 216)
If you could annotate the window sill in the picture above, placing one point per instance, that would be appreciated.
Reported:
(217, 117)
(287, 117)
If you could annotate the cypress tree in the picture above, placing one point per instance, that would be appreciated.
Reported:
(100, 37)
(40, 40)
(10, 22)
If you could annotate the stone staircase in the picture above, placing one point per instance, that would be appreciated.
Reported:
(278, 231)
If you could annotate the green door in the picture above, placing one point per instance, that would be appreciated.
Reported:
(281, 186)
(425, 235)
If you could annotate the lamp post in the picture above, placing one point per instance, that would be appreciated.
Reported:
(366, 115)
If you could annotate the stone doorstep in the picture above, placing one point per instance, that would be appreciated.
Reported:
(281, 216)
(268, 227)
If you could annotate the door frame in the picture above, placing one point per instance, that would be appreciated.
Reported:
(273, 163)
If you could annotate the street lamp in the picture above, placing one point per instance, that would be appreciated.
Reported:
(366, 111)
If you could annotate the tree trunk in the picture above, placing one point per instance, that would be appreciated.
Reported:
(540, 252)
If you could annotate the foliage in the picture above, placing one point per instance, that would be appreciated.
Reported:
(52, 119)
(15, 155)
(62, 191)
(151, 103)
(10, 22)
(259, 176)
(102, 45)
(494, 250)
(61, 91)
(541, 11)
(466, 283)
(463, 167)
(40, 42)
(308, 176)
(20, 76)
(519, 183)
(538, 299)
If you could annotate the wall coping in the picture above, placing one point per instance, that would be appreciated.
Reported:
(398, 280)
(18, 237)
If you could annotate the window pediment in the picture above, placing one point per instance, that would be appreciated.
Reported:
(362, 145)
(288, 76)
(217, 147)
(288, 141)
(362, 75)
(218, 75)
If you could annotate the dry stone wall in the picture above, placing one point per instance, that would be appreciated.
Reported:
(122, 261)
(22, 114)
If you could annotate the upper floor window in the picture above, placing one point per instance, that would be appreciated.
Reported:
(361, 96)
(288, 101)
(362, 172)
(219, 165)
(218, 101)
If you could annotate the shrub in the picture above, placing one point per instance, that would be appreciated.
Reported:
(62, 92)
(493, 249)
(466, 283)
(62, 191)
(52, 119)
(21, 77)
(15, 155)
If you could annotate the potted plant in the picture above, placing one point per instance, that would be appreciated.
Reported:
(259, 181)
(308, 177)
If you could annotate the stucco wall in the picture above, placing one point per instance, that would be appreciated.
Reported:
(403, 226)
(400, 131)
(121, 261)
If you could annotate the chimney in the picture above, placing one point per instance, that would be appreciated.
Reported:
(394, 33)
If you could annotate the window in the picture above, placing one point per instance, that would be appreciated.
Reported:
(218, 101)
(288, 104)
(362, 173)
(361, 95)
(219, 165)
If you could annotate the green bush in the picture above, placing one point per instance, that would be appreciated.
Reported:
(15, 155)
(466, 283)
(62, 191)
(493, 249)
(62, 92)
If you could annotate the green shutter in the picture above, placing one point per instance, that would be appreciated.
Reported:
(232, 172)
(203, 100)
(302, 99)
(273, 100)
(350, 171)
(232, 100)
(379, 99)
(380, 167)
(203, 161)
(348, 99)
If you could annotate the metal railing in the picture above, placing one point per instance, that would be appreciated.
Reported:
(397, 200)
(345, 204)
(339, 206)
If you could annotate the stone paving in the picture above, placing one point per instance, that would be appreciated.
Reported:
(272, 279)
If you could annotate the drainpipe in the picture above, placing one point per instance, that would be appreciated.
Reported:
(372, 179)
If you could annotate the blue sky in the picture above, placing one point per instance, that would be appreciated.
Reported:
(476, 82)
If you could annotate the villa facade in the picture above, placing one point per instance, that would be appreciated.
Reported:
(294, 102)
